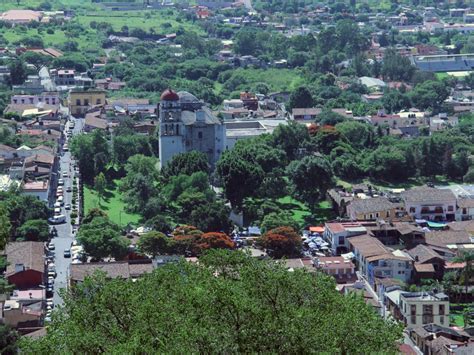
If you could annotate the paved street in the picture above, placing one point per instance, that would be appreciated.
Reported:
(65, 237)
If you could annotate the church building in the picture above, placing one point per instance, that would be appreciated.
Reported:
(186, 124)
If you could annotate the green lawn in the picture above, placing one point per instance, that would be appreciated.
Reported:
(276, 79)
(159, 20)
(457, 319)
(302, 214)
(112, 204)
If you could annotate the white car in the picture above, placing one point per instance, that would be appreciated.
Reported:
(61, 182)
(51, 246)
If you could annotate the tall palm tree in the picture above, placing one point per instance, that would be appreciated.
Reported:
(466, 257)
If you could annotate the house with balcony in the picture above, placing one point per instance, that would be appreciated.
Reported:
(336, 234)
(465, 209)
(370, 209)
(420, 308)
(430, 203)
(374, 260)
(393, 265)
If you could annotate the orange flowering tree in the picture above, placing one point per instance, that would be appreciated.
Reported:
(281, 241)
(190, 239)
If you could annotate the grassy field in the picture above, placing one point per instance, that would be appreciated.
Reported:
(112, 204)
(303, 215)
(159, 20)
(276, 79)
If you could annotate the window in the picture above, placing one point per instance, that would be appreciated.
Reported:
(387, 214)
(53, 101)
(341, 240)
(464, 211)
(427, 309)
(47, 101)
(98, 102)
(371, 216)
(86, 102)
(413, 319)
(377, 215)
(412, 209)
(31, 100)
(413, 309)
(441, 309)
(78, 102)
(450, 208)
(15, 101)
(22, 101)
(441, 320)
(200, 135)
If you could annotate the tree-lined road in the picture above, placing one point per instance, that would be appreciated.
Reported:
(65, 236)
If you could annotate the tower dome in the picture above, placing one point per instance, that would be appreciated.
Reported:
(169, 95)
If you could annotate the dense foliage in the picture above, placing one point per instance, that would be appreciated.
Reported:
(228, 302)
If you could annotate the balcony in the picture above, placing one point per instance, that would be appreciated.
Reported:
(436, 210)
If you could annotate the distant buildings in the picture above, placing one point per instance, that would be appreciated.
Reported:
(19, 17)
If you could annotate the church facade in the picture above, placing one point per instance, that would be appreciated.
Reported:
(186, 124)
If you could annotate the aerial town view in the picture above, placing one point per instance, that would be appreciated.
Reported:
(248, 176)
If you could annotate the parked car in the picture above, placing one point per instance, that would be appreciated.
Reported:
(49, 291)
(69, 189)
(60, 182)
(51, 246)
(67, 206)
(65, 174)
(67, 253)
(58, 219)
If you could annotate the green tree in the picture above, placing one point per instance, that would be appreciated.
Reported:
(310, 178)
(394, 101)
(238, 176)
(468, 270)
(8, 340)
(154, 243)
(36, 59)
(273, 220)
(301, 98)
(5, 227)
(18, 71)
(429, 94)
(34, 230)
(358, 134)
(186, 163)
(290, 138)
(101, 238)
(100, 184)
(211, 217)
(93, 213)
(396, 67)
(236, 303)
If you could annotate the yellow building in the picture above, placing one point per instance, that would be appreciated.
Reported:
(81, 101)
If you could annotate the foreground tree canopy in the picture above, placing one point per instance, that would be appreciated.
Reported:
(252, 306)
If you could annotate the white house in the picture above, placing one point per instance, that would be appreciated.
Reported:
(430, 203)
(465, 209)
(419, 308)
(336, 234)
